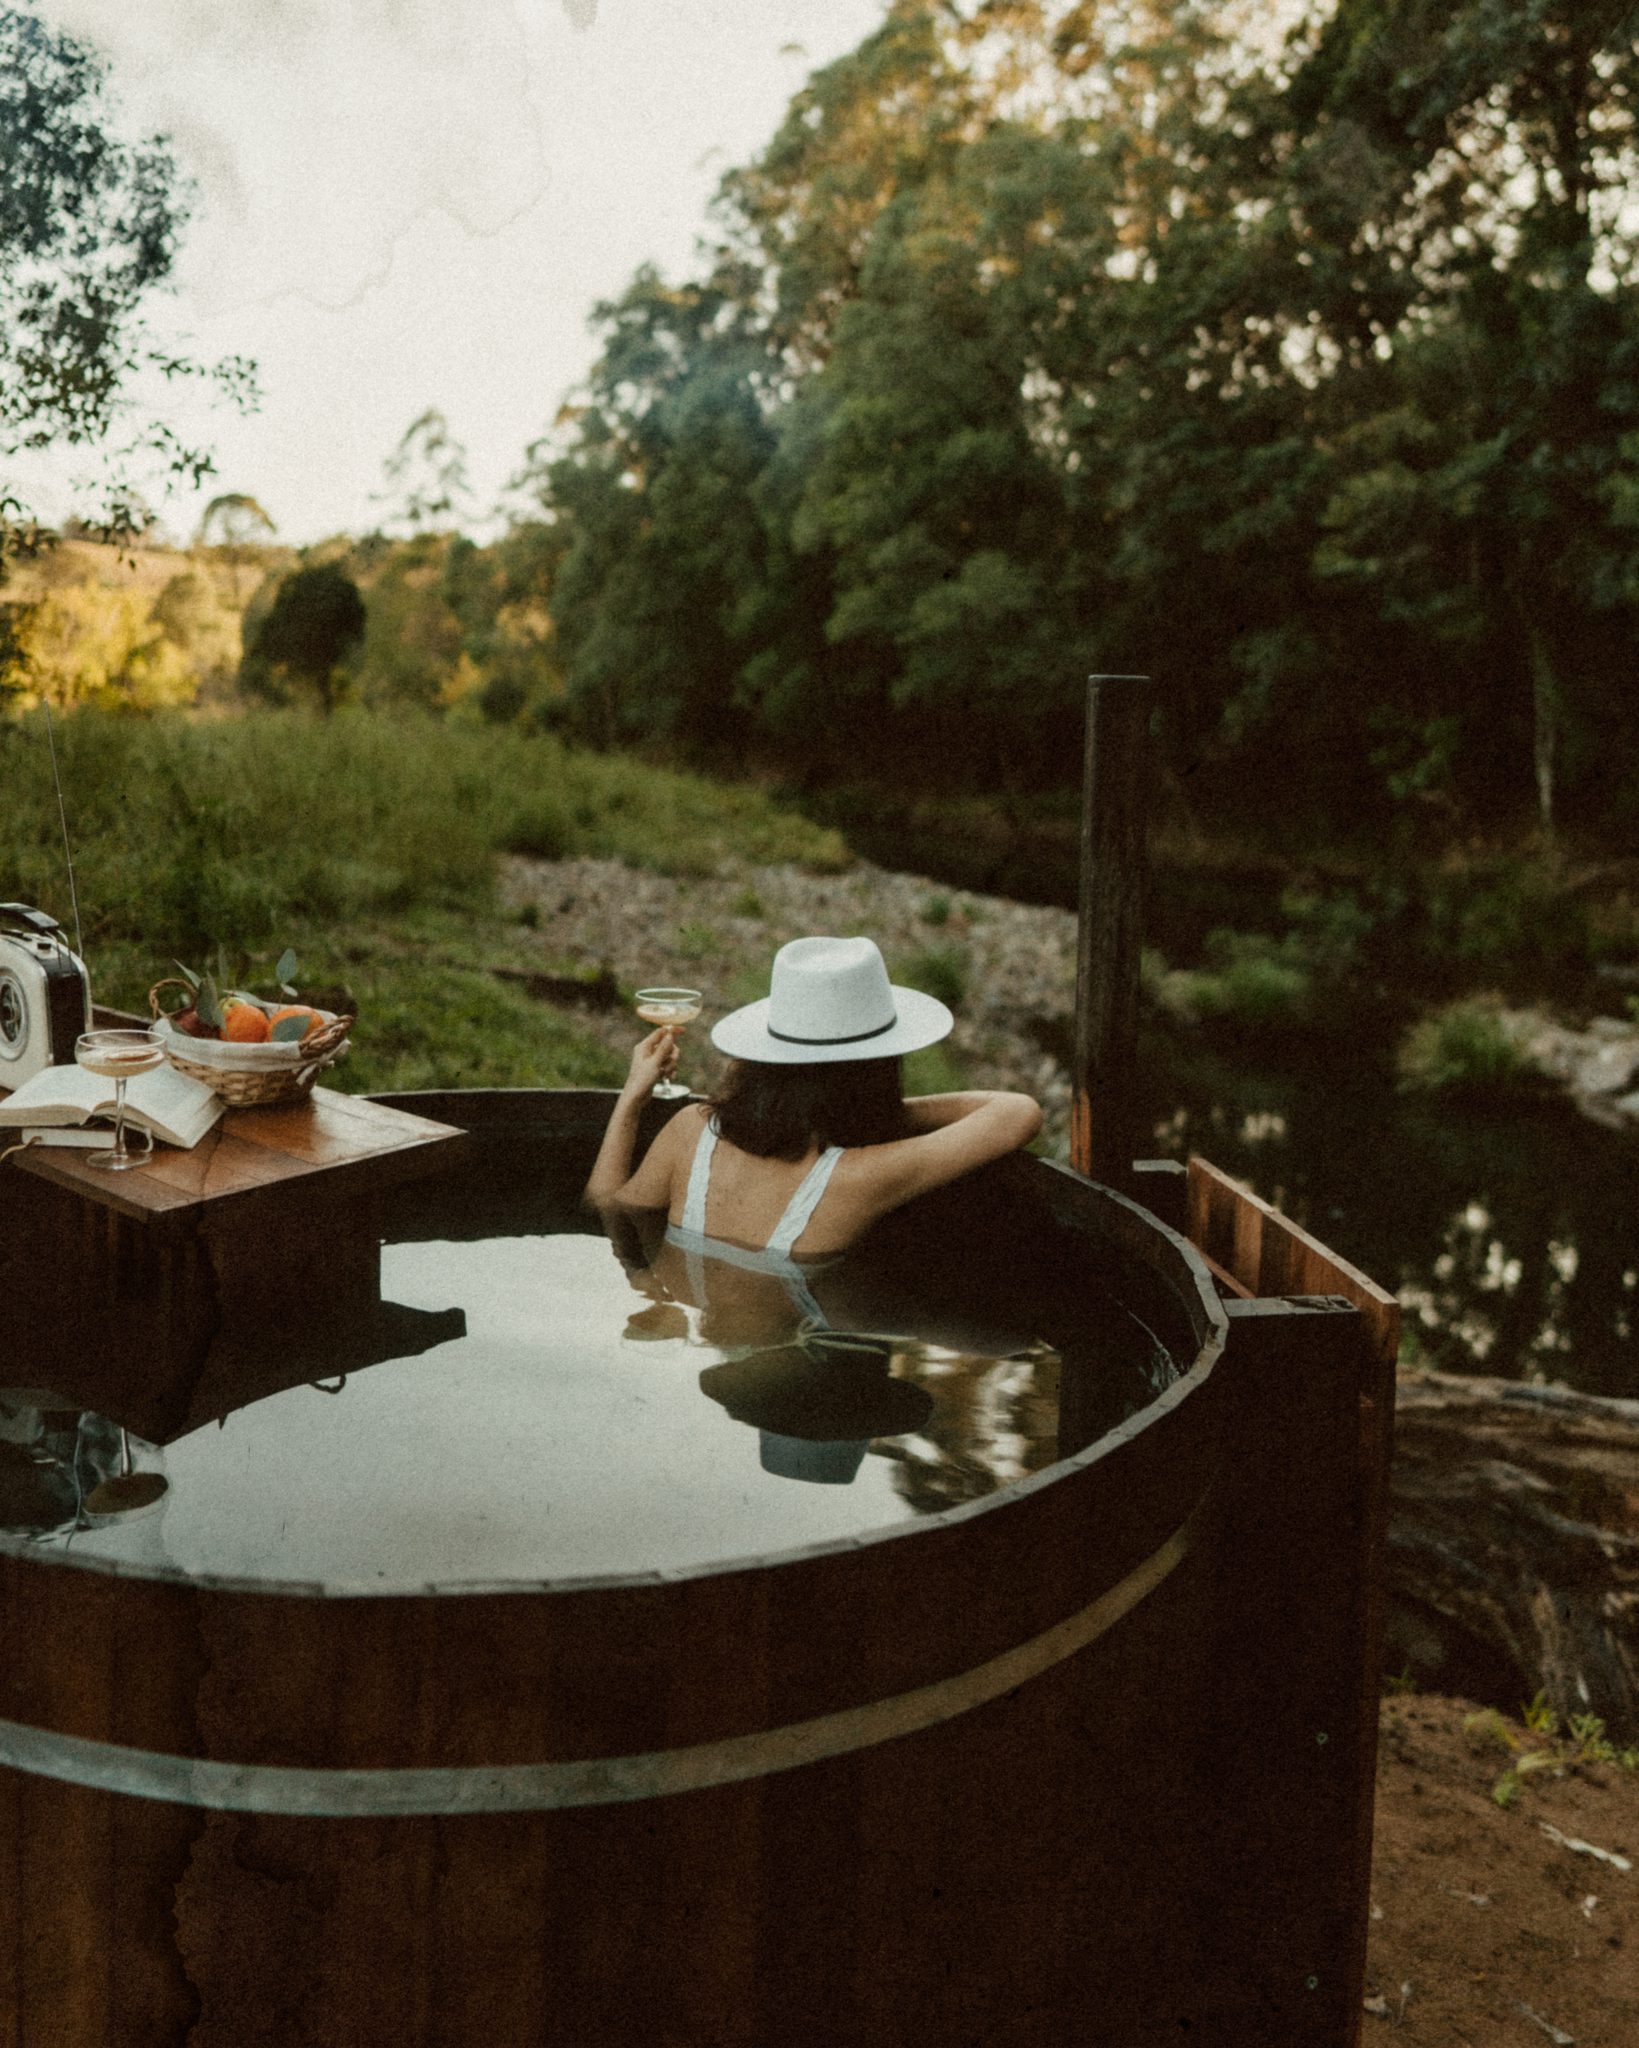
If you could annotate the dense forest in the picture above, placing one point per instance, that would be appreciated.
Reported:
(1295, 364)
(1046, 338)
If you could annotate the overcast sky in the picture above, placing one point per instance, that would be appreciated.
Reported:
(413, 203)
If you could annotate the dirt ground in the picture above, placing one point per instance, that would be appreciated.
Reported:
(1486, 1931)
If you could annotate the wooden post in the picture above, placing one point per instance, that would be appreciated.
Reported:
(1300, 1614)
(1110, 936)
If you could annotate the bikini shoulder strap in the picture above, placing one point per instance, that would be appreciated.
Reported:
(694, 1199)
(805, 1201)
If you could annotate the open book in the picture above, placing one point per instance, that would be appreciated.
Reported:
(173, 1106)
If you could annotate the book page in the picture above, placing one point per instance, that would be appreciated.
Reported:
(56, 1095)
(173, 1106)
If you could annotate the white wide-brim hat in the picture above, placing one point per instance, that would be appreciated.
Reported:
(831, 999)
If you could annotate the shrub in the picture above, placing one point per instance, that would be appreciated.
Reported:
(367, 842)
(1464, 1047)
(1257, 986)
(939, 971)
(1514, 909)
(1248, 979)
(540, 827)
(317, 616)
(1328, 930)
(232, 828)
(432, 1025)
(935, 1070)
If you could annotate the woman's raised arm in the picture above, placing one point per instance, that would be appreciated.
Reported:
(934, 1112)
(653, 1058)
(952, 1135)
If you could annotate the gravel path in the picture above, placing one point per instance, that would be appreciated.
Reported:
(1018, 960)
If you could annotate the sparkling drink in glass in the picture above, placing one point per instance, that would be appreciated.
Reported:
(119, 1056)
(676, 1008)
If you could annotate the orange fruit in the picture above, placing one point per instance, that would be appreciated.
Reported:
(244, 1024)
(314, 1020)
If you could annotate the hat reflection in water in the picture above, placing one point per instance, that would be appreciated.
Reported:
(819, 1403)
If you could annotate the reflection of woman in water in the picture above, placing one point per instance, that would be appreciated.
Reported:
(811, 1139)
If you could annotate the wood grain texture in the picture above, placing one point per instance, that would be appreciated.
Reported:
(1514, 1545)
(1003, 1868)
(1110, 930)
(162, 1301)
(366, 1142)
(1071, 1856)
(1272, 1257)
(1268, 1254)
(1034, 1860)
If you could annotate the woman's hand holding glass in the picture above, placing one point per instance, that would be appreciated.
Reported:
(654, 1061)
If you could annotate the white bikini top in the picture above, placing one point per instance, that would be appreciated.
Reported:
(797, 1211)
(776, 1256)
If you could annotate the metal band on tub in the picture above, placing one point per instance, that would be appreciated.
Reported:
(595, 1781)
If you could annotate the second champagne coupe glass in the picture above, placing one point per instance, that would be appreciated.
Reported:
(677, 1007)
(118, 1056)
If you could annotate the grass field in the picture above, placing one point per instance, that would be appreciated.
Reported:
(369, 845)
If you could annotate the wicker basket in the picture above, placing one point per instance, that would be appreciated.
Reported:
(251, 1076)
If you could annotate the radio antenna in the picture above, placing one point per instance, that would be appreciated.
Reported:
(62, 819)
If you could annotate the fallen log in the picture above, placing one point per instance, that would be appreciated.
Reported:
(1513, 1553)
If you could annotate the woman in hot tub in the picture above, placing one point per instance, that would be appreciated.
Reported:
(812, 1138)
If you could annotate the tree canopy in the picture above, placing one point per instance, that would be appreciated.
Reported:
(426, 475)
(1054, 335)
(317, 616)
(89, 223)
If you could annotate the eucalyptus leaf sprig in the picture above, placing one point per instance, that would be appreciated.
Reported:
(210, 1002)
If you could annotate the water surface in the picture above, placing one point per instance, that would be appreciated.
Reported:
(613, 1408)
(1508, 1228)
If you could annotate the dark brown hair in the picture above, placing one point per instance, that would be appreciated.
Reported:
(777, 1112)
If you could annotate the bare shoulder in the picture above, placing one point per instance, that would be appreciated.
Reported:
(677, 1137)
(686, 1125)
(651, 1186)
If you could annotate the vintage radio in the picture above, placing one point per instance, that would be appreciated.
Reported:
(45, 997)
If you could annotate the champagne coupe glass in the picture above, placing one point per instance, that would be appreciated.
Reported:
(117, 1056)
(676, 1007)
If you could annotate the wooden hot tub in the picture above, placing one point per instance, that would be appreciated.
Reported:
(992, 1775)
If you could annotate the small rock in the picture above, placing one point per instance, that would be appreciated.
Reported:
(1608, 1068)
(1594, 1065)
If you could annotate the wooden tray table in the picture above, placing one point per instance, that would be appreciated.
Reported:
(171, 1293)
